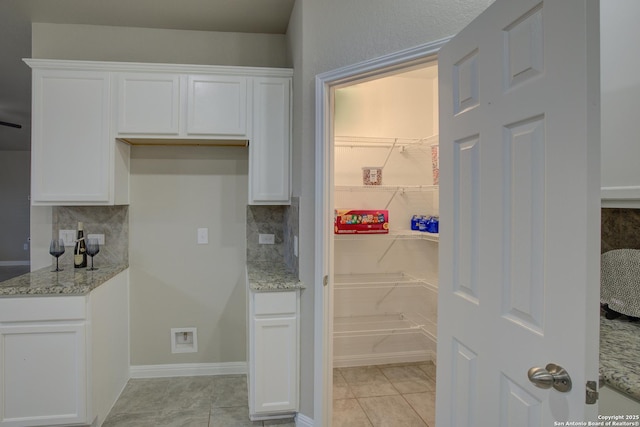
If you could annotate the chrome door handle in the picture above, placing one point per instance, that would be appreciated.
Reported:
(552, 376)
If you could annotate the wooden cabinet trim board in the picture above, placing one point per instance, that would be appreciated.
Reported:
(113, 66)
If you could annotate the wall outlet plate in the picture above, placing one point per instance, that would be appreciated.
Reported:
(100, 238)
(203, 236)
(68, 236)
(266, 239)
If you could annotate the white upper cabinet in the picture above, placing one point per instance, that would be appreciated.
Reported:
(148, 103)
(218, 105)
(270, 147)
(175, 105)
(86, 113)
(73, 158)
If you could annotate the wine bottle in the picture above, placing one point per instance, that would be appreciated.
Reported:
(80, 250)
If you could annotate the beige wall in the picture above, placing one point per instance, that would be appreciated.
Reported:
(14, 214)
(176, 282)
(104, 43)
(326, 35)
(391, 107)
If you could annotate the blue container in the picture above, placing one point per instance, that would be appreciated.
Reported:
(433, 224)
(415, 222)
(422, 225)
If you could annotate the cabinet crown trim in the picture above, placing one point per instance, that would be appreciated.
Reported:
(156, 67)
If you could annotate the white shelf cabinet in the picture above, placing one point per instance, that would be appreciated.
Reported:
(74, 160)
(274, 324)
(270, 147)
(72, 155)
(174, 105)
(86, 113)
(54, 359)
(148, 103)
(218, 105)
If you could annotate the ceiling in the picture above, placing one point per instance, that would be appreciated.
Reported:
(16, 16)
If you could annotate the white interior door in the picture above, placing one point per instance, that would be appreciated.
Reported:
(520, 210)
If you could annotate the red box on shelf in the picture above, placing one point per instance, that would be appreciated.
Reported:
(358, 221)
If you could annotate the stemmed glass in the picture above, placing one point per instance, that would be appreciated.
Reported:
(92, 249)
(56, 248)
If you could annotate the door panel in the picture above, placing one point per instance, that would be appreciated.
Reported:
(520, 228)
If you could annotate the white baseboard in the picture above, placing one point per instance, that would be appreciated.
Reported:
(383, 359)
(187, 369)
(14, 263)
(303, 421)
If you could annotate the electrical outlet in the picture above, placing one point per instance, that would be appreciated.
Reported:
(68, 236)
(266, 239)
(203, 236)
(100, 238)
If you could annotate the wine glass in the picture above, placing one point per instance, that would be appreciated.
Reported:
(93, 247)
(56, 248)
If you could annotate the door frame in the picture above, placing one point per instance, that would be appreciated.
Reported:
(325, 84)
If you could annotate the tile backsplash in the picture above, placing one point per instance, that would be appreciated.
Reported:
(620, 229)
(112, 221)
(291, 229)
(283, 223)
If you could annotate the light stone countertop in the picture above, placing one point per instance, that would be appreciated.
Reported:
(70, 281)
(268, 277)
(619, 361)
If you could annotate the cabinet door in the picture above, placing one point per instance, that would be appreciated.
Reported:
(148, 103)
(270, 147)
(70, 152)
(276, 372)
(43, 374)
(217, 105)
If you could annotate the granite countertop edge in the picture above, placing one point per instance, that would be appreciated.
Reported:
(619, 347)
(69, 282)
(271, 277)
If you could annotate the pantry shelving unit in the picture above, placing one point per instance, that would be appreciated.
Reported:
(392, 235)
(382, 316)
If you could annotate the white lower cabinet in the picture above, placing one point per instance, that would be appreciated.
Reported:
(273, 354)
(50, 372)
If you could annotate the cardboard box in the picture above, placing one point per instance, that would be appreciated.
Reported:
(359, 221)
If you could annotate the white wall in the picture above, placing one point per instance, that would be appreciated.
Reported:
(176, 282)
(14, 214)
(620, 100)
(326, 35)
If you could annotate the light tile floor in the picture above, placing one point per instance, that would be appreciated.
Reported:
(208, 401)
(385, 396)
(370, 396)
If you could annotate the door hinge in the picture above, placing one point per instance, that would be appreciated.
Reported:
(592, 393)
(325, 280)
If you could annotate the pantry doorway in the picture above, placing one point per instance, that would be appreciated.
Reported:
(364, 341)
